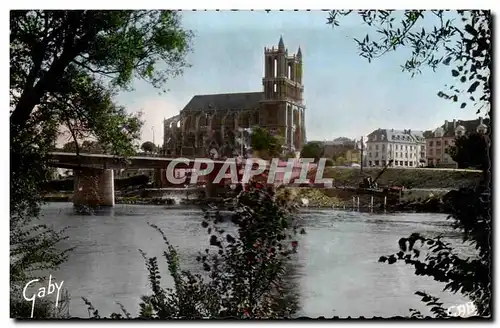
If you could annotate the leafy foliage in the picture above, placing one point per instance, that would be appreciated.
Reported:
(148, 147)
(86, 146)
(313, 149)
(245, 270)
(470, 32)
(340, 161)
(461, 37)
(268, 145)
(329, 162)
(65, 68)
(471, 151)
(61, 58)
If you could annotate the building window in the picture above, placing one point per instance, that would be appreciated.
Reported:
(446, 142)
(383, 147)
(376, 147)
(430, 144)
(411, 163)
(438, 143)
(377, 163)
(406, 163)
(376, 154)
(275, 88)
(370, 147)
(383, 162)
(406, 155)
(411, 155)
(390, 146)
(369, 163)
(406, 147)
(369, 154)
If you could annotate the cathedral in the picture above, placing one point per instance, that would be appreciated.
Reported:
(220, 124)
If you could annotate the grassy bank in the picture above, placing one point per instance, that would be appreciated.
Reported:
(410, 178)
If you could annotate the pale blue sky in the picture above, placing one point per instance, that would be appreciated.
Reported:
(344, 94)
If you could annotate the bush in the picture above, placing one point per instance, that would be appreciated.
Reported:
(245, 271)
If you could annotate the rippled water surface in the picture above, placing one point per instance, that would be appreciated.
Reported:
(335, 273)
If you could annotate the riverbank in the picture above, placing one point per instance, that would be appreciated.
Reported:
(426, 201)
(409, 178)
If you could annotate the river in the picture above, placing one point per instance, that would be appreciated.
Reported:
(336, 272)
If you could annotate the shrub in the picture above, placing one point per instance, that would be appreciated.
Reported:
(244, 270)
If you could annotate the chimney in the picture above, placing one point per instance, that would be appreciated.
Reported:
(480, 120)
(445, 124)
(409, 131)
(454, 124)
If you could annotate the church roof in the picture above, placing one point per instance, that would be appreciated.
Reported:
(225, 101)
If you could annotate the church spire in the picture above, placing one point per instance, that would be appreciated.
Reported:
(299, 53)
(281, 44)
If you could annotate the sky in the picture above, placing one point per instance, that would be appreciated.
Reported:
(344, 94)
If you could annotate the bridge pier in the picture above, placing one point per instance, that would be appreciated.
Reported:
(94, 187)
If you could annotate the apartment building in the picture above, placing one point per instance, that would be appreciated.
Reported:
(440, 139)
(406, 148)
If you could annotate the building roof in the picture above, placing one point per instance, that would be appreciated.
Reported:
(225, 101)
(428, 134)
(393, 135)
(470, 126)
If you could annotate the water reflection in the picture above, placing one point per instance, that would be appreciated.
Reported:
(335, 273)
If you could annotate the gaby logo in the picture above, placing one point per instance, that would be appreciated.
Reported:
(42, 292)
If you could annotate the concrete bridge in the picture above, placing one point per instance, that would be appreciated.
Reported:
(94, 178)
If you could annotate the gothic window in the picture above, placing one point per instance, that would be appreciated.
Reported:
(275, 68)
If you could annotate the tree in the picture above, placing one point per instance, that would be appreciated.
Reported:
(65, 68)
(148, 147)
(266, 144)
(87, 146)
(470, 32)
(329, 162)
(56, 54)
(312, 149)
(471, 151)
(340, 161)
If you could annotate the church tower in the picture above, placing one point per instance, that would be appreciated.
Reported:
(282, 109)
